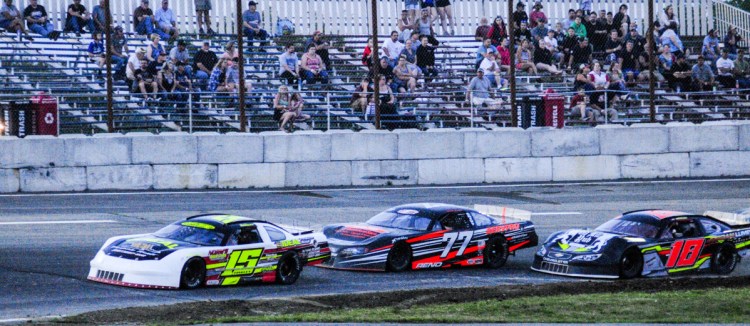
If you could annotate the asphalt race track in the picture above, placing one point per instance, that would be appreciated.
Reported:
(44, 256)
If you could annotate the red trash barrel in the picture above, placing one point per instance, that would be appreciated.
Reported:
(47, 115)
(554, 109)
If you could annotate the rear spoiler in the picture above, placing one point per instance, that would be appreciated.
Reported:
(504, 212)
(294, 230)
(733, 219)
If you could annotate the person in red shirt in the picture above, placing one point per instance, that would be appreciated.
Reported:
(504, 54)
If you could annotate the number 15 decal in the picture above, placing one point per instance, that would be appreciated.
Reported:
(452, 237)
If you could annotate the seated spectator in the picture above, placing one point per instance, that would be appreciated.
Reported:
(99, 16)
(203, 64)
(483, 50)
(184, 84)
(639, 42)
(742, 70)
(543, 59)
(10, 20)
(288, 65)
(405, 79)
(165, 23)
(230, 51)
(667, 17)
(78, 18)
(180, 54)
(410, 53)
(582, 80)
(37, 21)
(666, 61)
(522, 33)
(524, 58)
(203, 10)
(217, 80)
(426, 59)
(519, 15)
(497, 32)
(600, 79)
(96, 50)
(503, 55)
(384, 69)
(478, 92)
(159, 63)
(581, 54)
(537, 14)
(553, 46)
(146, 81)
(617, 88)
(702, 75)
(681, 71)
(143, 19)
(628, 60)
(415, 42)
(613, 46)
(482, 30)
(725, 70)
(710, 49)
(600, 33)
(569, 43)
(405, 26)
(321, 47)
(387, 101)
(731, 41)
(669, 37)
(166, 81)
(288, 108)
(570, 20)
(578, 28)
(362, 96)
(155, 48)
(392, 48)
(367, 54)
(493, 71)
(134, 63)
(251, 24)
(119, 52)
(539, 32)
(559, 32)
(622, 20)
(644, 63)
(313, 67)
(232, 82)
(588, 21)
(589, 112)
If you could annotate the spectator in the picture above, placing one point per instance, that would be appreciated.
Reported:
(588, 22)
(600, 34)
(666, 61)
(553, 46)
(584, 5)
(367, 54)
(251, 22)
(120, 51)
(622, 20)
(426, 59)
(387, 100)
(405, 79)
(96, 50)
(36, 20)
(503, 54)
(478, 92)
(702, 75)
(166, 81)
(165, 22)
(569, 43)
(321, 47)
(537, 14)
(203, 64)
(409, 53)
(180, 54)
(611, 23)
(143, 19)
(578, 27)
(566, 23)
(492, 70)
(411, 6)
(313, 67)
(581, 103)
(446, 16)
(600, 81)
(425, 27)
(482, 30)
(524, 58)
(405, 26)
(730, 42)
(644, 62)
(155, 48)
(628, 59)
(415, 42)
(288, 65)
(497, 32)
(362, 96)
(582, 79)
(134, 63)
(385, 69)
(10, 20)
(78, 18)
(539, 32)
(522, 33)
(742, 70)
(710, 50)
(613, 46)
(639, 41)
(671, 39)
(667, 17)
(681, 72)
(617, 87)
(156, 66)
(483, 50)
(203, 12)
(184, 85)
(99, 15)
(146, 82)
(217, 80)
(559, 33)
(392, 48)
(288, 107)
(543, 59)
(580, 54)
(429, 6)
(232, 82)
(519, 15)
(725, 68)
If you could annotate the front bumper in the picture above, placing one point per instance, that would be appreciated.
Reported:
(151, 274)
(567, 267)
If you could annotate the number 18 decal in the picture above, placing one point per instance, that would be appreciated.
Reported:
(684, 253)
(452, 237)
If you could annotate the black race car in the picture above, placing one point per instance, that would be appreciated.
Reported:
(647, 243)
(417, 236)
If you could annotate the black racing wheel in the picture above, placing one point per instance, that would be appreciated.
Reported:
(724, 260)
(288, 269)
(399, 259)
(496, 252)
(193, 273)
(631, 263)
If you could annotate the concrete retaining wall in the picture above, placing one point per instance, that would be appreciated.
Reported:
(142, 161)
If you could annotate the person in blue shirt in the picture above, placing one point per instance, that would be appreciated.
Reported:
(10, 19)
(98, 14)
(96, 50)
(710, 50)
(484, 49)
(165, 22)
(251, 22)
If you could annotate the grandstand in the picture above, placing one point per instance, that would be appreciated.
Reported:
(62, 69)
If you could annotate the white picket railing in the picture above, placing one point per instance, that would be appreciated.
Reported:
(353, 16)
(727, 15)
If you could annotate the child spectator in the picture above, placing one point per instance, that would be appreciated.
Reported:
(96, 50)
(483, 50)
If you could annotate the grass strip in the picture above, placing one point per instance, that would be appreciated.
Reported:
(718, 305)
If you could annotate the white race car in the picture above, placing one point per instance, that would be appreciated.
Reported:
(211, 250)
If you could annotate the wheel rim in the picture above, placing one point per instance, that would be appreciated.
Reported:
(724, 260)
(286, 269)
(399, 257)
(496, 252)
(192, 274)
(629, 264)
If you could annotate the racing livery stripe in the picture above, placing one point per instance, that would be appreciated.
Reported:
(218, 265)
(696, 265)
(516, 246)
(427, 236)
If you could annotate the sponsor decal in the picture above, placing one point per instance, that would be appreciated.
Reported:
(407, 212)
(559, 255)
(742, 233)
(399, 239)
(556, 261)
(218, 254)
(242, 262)
(475, 261)
(429, 265)
(168, 244)
(288, 243)
(357, 233)
(503, 228)
(212, 282)
(225, 219)
(198, 225)
(582, 241)
(142, 245)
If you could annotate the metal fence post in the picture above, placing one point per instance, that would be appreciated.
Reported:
(190, 112)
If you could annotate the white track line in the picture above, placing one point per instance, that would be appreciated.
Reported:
(59, 222)
(557, 213)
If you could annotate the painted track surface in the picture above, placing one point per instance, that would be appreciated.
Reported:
(43, 266)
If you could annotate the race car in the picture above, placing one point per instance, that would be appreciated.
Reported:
(211, 250)
(426, 235)
(648, 243)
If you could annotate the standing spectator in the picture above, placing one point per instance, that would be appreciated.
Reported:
(725, 68)
(36, 20)
(392, 48)
(570, 20)
(321, 47)
(613, 46)
(702, 75)
(96, 50)
(77, 18)
(134, 63)
(671, 39)
(426, 59)
(710, 50)
(742, 70)
(519, 15)
(155, 48)
(730, 42)
(622, 20)
(10, 20)
(478, 92)
(580, 54)
(543, 59)
(497, 32)
(180, 54)
(524, 59)
(203, 12)
(578, 27)
(251, 22)
(536, 14)
(522, 33)
(628, 59)
(146, 81)
(143, 19)
(411, 6)
(119, 52)
(405, 26)
(681, 72)
(362, 96)
(667, 17)
(425, 27)
(405, 79)
(164, 19)
(313, 67)
(203, 63)
(483, 50)
(99, 15)
(482, 30)
(288, 65)
(446, 16)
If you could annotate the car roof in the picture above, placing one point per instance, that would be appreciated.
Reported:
(653, 215)
(432, 210)
(224, 221)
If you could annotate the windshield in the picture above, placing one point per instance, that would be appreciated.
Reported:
(400, 221)
(199, 236)
(632, 228)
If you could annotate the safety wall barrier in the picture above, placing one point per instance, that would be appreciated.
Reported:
(141, 161)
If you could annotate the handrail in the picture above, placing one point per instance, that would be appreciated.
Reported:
(727, 16)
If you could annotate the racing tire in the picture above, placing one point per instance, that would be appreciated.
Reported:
(193, 273)
(631, 264)
(724, 260)
(496, 252)
(399, 258)
(288, 269)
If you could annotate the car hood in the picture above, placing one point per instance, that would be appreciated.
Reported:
(578, 241)
(145, 247)
(361, 233)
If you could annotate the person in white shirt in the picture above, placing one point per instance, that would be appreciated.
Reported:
(134, 63)
(553, 46)
(165, 20)
(492, 70)
(392, 48)
(725, 68)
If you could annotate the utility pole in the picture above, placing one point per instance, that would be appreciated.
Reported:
(108, 61)
(375, 64)
(241, 68)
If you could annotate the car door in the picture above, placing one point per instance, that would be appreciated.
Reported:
(246, 246)
(688, 245)
(458, 236)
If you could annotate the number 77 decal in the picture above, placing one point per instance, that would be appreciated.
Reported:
(452, 237)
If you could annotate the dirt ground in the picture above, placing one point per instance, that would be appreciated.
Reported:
(193, 312)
